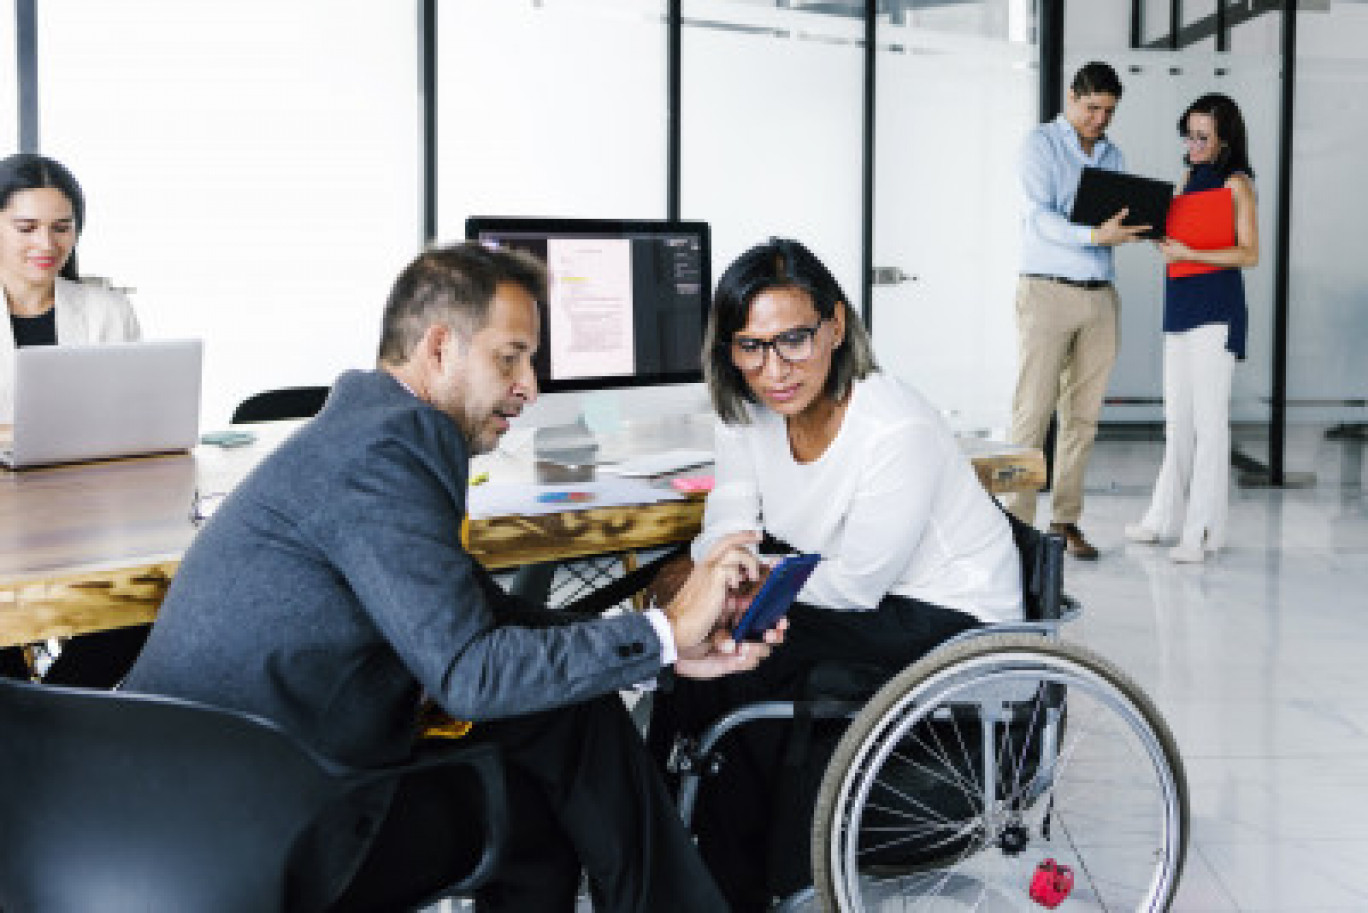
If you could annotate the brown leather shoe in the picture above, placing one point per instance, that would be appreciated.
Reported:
(1074, 543)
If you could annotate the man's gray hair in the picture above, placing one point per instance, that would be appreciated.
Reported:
(453, 286)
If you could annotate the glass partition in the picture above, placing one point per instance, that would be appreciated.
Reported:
(772, 129)
(1103, 25)
(250, 168)
(1328, 330)
(957, 93)
(1199, 19)
(556, 109)
(1158, 87)
(9, 98)
(550, 108)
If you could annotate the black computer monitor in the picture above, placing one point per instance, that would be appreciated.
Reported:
(628, 300)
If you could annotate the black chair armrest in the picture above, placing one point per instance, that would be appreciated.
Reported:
(484, 760)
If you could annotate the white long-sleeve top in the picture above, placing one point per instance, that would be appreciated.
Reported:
(85, 314)
(892, 506)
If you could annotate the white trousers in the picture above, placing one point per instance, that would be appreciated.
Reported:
(1196, 468)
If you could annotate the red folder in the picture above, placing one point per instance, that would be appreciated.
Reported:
(1204, 220)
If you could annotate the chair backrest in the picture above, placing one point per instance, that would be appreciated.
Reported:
(283, 403)
(114, 801)
(1042, 570)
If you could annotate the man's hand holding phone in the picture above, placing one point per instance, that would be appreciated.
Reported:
(721, 654)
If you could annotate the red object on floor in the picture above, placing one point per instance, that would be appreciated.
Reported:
(1051, 883)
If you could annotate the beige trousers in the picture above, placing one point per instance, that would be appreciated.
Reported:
(1067, 339)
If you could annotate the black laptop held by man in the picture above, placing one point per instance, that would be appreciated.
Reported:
(1102, 194)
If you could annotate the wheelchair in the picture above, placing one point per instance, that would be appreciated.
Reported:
(1007, 770)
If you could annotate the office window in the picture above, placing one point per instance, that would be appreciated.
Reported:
(550, 108)
(772, 129)
(251, 169)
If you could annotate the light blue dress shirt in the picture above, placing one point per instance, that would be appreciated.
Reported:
(1052, 161)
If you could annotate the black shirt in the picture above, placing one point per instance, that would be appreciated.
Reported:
(35, 331)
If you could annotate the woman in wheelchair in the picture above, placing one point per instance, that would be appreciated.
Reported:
(824, 454)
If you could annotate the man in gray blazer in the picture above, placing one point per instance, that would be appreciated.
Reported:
(331, 593)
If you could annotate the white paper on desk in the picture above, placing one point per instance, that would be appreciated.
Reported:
(502, 499)
(662, 463)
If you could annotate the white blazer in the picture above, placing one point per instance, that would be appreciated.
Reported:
(85, 314)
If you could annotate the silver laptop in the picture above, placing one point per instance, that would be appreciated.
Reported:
(92, 402)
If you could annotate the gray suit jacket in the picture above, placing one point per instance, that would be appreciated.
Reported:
(330, 589)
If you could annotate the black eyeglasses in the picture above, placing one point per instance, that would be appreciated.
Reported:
(792, 346)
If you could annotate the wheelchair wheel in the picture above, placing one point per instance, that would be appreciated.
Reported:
(973, 767)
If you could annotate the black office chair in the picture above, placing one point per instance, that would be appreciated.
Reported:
(282, 403)
(117, 801)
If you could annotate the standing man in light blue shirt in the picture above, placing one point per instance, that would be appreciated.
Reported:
(1066, 304)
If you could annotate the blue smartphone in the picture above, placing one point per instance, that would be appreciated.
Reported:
(776, 595)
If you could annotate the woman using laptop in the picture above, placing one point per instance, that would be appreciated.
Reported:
(820, 450)
(42, 212)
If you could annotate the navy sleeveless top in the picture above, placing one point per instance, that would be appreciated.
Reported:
(1216, 297)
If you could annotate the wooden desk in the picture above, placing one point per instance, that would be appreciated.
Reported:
(93, 547)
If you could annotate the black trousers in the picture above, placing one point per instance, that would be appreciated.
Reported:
(12, 663)
(583, 792)
(753, 819)
(99, 660)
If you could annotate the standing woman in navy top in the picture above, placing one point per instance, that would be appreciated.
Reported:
(42, 212)
(1204, 335)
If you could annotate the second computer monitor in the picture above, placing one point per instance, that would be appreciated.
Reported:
(628, 300)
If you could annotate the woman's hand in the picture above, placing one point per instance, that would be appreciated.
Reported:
(697, 607)
(1174, 251)
(739, 599)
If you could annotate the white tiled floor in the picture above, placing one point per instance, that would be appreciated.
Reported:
(1259, 661)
